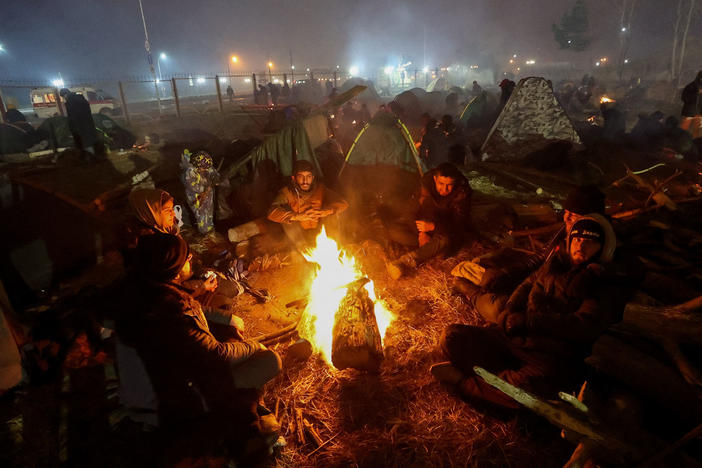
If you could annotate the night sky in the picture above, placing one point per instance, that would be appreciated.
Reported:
(105, 38)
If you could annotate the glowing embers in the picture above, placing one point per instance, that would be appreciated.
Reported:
(344, 321)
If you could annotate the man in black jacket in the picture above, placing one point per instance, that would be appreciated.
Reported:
(497, 283)
(80, 122)
(195, 376)
(548, 325)
(443, 219)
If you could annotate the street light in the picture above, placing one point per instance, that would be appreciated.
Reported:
(161, 56)
(234, 59)
(270, 75)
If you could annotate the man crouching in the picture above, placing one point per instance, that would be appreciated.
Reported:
(303, 203)
(549, 324)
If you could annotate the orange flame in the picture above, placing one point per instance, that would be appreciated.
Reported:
(605, 99)
(335, 270)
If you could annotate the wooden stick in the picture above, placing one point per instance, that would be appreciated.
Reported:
(537, 231)
(325, 443)
(312, 432)
(299, 427)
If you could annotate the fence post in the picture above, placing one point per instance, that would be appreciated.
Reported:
(175, 96)
(219, 94)
(59, 104)
(2, 109)
(255, 89)
(125, 112)
(335, 77)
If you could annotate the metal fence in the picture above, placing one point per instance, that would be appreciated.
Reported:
(178, 95)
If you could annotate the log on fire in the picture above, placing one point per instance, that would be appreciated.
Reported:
(356, 339)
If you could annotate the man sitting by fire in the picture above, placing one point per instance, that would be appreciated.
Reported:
(441, 223)
(199, 381)
(303, 203)
(497, 283)
(548, 325)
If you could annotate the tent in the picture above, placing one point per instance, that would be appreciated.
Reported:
(368, 96)
(55, 129)
(385, 140)
(438, 84)
(14, 139)
(479, 108)
(532, 115)
(297, 141)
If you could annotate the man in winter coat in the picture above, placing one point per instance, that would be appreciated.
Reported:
(80, 122)
(497, 283)
(548, 325)
(303, 203)
(442, 222)
(194, 375)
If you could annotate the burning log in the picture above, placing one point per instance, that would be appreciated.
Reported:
(356, 339)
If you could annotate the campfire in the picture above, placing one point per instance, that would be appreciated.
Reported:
(344, 320)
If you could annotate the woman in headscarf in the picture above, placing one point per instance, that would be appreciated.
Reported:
(153, 213)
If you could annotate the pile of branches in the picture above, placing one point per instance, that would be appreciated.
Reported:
(642, 404)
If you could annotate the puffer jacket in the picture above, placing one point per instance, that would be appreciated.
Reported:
(291, 201)
(566, 307)
(189, 368)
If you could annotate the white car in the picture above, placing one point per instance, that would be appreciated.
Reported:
(44, 101)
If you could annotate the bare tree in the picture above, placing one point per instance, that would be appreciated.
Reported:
(626, 10)
(676, 35)
(683, 43)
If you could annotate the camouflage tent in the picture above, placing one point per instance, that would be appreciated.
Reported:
(385, 140)
(532, 115)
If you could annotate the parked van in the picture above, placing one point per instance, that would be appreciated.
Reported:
(44, 101)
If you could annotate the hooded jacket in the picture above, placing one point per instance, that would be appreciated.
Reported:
(291, 201)
(566, 306)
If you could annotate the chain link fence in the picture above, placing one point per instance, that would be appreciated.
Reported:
(176, 95)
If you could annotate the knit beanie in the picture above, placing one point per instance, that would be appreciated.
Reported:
(161, 256)
(587, 229)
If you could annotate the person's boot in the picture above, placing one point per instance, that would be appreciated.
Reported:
(446, 373)
(397, 268)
